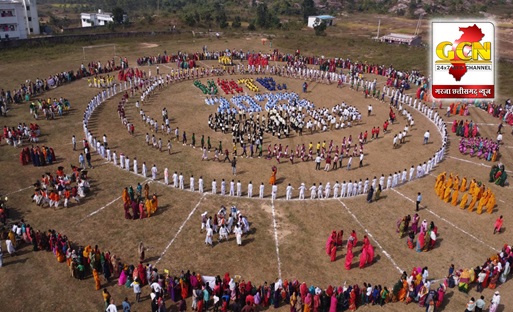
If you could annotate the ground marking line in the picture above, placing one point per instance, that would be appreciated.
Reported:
(180, 228)
(276, 238)
(101, 208)
(448, 222)
(475, 163)
(22, 189)
(98, 210)
(372, 237)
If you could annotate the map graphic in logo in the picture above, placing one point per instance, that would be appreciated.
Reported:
(463, 60)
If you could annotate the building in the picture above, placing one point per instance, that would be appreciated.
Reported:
(316, 20)
(18, 19)
(96, 19)
(411, 40)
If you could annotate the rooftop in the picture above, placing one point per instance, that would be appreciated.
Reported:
(323, 16)
(401, 36)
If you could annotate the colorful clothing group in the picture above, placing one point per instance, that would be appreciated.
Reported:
(498, 175)
(481, 148)
(448, 189)
(465, 129)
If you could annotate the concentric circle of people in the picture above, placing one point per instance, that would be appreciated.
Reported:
(146, 83)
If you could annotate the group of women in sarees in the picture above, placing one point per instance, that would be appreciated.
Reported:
(448, 189)
(494, 271)
(335, 240)
(416, 288)
(427, 233)
(142, 207)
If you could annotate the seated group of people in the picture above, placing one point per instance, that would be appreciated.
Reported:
(53, 190)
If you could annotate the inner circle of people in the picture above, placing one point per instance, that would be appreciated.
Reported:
(285, 114)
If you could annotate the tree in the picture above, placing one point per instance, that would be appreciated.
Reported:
(118, 15)
(221, 19)
(236, 22)
(308, 9)
(262, 15)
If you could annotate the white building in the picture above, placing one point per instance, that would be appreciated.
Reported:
(96, 19)
(18, 19)
(316, 20)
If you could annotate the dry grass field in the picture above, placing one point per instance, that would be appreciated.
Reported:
(287, 237)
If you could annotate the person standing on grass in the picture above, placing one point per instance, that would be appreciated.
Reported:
(209, 236)
(126, 305)
(154, 172)
(136, 285)
(111, 307)
(234, 165)
(426, 137)
(419, 199)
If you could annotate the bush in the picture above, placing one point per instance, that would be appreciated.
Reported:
(236, 22)
(251, 26)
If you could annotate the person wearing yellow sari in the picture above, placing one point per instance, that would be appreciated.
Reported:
(491, 203)
(125, 196)
(97, 282)
(494, 156)
(147, 205)
(482, 201)
(154, 203)
(475, 197)
(449, 181)
(401, 296)
(464, 200)
(456, 183)
(463, 186)
(447, 194)
(442, 191)
(454, 201)
(439, 181)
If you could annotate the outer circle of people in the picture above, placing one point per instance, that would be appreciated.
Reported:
(233, 292)
(352, 294)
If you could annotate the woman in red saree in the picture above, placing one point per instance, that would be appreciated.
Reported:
(352, 301)
(340, 237)
(349, 256)
(331, 239)
(363, 258)
(370, 253)
(355, 238)
(333, 253)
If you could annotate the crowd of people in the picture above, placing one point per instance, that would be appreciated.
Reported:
(49, 108)
(22, 133)
(225, 223)
(466, 129)
(38, 156)
(54, 190)
(427, 233)
(139, 201)
(448, 189)
(498, 175)
(482, 148)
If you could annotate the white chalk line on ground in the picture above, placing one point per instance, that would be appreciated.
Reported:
(475, 163)
(98, 210)
(20, 190)
(372, 237)
(276, 238)
(448, 222)
(180, 229)
(101, 208)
